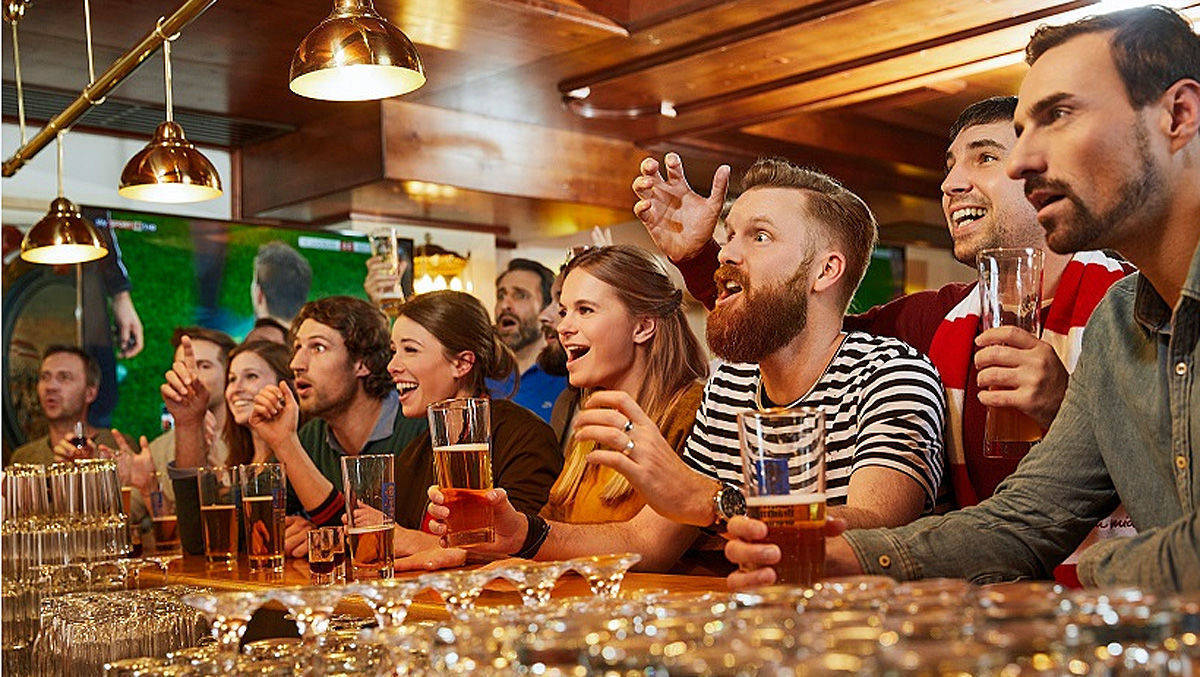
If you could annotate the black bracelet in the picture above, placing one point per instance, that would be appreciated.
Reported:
(535, 535)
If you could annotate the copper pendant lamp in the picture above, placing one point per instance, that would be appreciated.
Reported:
(62, 235)
(355, 55)
(170, 168)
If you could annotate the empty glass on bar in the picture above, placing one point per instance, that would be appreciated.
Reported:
(326, 554)
(370, 492)
(385, 245)
(264, 495)
(783, 462)
(461, 432)
(218, 513)
(1010, 288)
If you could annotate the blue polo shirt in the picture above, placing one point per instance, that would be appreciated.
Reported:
(537, 393)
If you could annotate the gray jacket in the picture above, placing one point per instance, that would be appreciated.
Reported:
(1128, 432)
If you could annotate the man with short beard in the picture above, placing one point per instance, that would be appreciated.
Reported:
(798, 247)
(68, 382)
(522, 294)
(1108, 128)
(340, 351)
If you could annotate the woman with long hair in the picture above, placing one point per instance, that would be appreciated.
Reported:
(623, 329)
(252, 365)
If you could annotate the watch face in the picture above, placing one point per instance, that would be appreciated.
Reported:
(732, 502)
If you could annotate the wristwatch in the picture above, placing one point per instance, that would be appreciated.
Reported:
(728, 502)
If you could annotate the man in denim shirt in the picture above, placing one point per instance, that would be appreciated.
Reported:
(1109, 151)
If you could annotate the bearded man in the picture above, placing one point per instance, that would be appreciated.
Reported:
(797, 246)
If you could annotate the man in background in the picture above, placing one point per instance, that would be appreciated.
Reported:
(282, 279)
(68, 383)
(523, 292)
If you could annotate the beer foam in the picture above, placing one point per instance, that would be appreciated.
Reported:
(464, 448)
(791, 499)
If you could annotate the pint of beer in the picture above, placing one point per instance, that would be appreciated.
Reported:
(264, 492)
(218, 513)
(461, 432)
(783, 462)
(389, 246)
(370, 489)
(1010, 288)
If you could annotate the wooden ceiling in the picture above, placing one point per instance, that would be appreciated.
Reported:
(861, 88)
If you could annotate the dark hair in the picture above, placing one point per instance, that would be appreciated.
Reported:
(237, 438)
(845, 214)
(1153, 48)
(544, 274)
(363, 329)
(284, 276)
(995, 109)
(461, 323)
(91, 368)
(220, 339)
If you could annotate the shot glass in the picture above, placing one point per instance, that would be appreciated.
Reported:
(326, 554)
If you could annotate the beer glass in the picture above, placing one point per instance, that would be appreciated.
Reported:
(1010, 287)
(264, 492)
(164, 521)
(370, 492)
(218, 513)
(326, 552)
(385, 244)
(461, 432)
(783, 463)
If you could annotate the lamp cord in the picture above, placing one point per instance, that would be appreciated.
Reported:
(87, 26)
(59, 137)
(20, 87)
(167, 78)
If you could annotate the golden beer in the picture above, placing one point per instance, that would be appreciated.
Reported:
(371, 550)
(796, 524)
(264, 533)
(464, 474)
(166, 532)
(220, 532)
(1008, 433)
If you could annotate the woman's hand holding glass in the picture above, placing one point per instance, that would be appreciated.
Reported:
(511, 525)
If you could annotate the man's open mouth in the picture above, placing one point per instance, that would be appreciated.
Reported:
(965, 215)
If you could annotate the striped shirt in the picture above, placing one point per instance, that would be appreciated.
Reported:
(884, 406)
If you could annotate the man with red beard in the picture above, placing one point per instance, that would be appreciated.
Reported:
(798, 246)
(1108, 129)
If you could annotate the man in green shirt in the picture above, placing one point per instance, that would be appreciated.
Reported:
(68, 382)
(1109, 150)
(340, 351)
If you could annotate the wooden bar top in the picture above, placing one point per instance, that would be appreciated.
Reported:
(192, 570)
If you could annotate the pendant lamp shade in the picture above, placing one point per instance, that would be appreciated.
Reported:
(62, 236)
(169, 169)
(355, 55)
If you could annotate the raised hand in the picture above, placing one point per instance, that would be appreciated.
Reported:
(511, 525)
(678, 219)
(275, 415)
(134, 469)
(380, 280)
(184, 393)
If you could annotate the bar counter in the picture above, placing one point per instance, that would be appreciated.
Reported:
(195, 570)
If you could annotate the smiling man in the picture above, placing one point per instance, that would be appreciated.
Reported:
(339, 357)
(1108, 129)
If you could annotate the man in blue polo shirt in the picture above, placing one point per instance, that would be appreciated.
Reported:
(522, 292)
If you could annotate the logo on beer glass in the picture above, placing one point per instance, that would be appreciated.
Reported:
(783, 465)
(388, 491)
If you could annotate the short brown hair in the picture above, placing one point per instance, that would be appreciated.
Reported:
(1153, 48)
(363, 329)
(91, 368)
(847, 217)
(461, 323)
(220, 339)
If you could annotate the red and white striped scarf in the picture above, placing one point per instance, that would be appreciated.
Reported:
(1084, 281)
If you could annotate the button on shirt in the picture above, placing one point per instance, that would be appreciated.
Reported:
(537, 392)
(1127, 432)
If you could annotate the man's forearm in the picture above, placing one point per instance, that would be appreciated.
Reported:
(311, 487)
(190, 449)
(1167, 558)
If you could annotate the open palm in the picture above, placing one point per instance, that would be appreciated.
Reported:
(678, 219)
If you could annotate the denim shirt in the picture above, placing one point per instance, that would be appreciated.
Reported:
(1127, 432)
